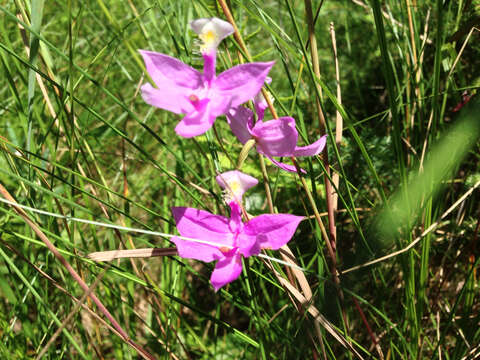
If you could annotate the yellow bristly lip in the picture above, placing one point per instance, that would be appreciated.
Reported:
(209, 40)
(234, 185)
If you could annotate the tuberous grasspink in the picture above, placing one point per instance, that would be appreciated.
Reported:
(202, 97)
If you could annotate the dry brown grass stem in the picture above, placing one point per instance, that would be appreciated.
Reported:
(338, 118)
(322, 126)
(418, 238)
(416, 64)
(331, 240)
(317, 316)
(373, 337)
(461, 51)
(135, 253)
(74, 274)
(286, 253)
(387, 16)
(70, 316)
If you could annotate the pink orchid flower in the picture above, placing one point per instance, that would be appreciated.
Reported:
(276, 137)
(235, 183)
(202, 97)
(227, 240)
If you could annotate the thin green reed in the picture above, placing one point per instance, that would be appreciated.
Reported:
(105, 90)
(352, 208)
(392, 89)
(439, 39)
(36, 21)
(39, 298)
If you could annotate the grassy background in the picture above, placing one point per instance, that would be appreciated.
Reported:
(77, 139)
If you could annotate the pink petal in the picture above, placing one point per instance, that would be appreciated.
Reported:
(273, 230)
(240, 120)
(219, 105)
(201, 225)
(260, 103)
(313, 149)
(209, 65)
(242, 82)
(226, 270)
(286, 167)
(197, 122)
(166, 70)
(192, 250)
(276, 137)
(260, 107)
(248, 245)
(168, 97)
(236, 224)
(236, 183)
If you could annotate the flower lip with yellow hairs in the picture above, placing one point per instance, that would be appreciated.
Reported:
(211, 32)
(235, 183)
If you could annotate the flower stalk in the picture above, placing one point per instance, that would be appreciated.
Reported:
(244, 152)
(300, 276)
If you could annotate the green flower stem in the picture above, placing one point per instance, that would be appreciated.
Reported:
(244, 152)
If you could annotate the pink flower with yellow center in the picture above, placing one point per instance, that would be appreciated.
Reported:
(227, 240)
(201, 96)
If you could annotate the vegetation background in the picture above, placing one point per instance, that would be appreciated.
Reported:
(77, 140)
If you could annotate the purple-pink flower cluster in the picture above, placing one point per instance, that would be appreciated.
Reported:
(202, 97)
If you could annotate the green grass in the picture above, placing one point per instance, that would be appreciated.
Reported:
(77, 140)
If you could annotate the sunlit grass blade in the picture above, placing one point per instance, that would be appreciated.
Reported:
(443, 159)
